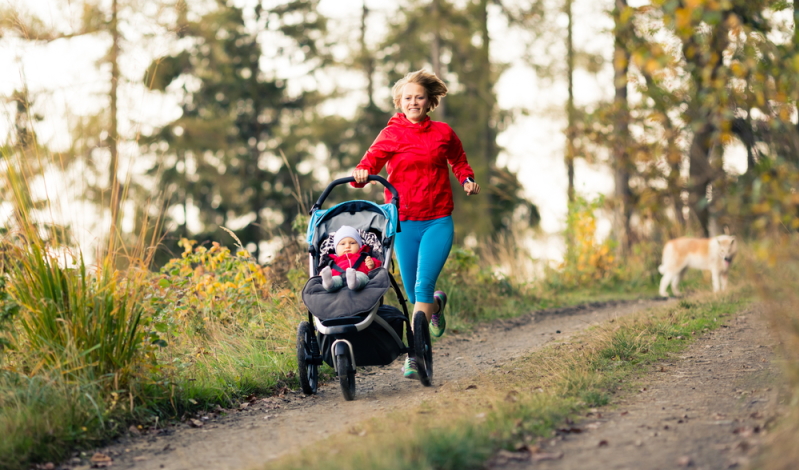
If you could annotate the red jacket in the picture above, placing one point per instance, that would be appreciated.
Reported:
(348, 260)
(416, 158)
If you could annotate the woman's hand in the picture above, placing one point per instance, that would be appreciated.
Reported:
(369, 262)
(361, 176)
(471, 188)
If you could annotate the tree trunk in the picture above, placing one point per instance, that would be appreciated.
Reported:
(184, 194)
(621, 129)
(795, 28)
(796, 43)
(700, 176)
(367, 60)
(256, 227)
(113, 132)
(435, 52)
(570, 131)
(705, 68)
(487, 144)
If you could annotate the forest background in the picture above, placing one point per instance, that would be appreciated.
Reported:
(140, 208)
(321, 80)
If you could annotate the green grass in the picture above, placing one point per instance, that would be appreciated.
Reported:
(230, 367)
(527, 399)
(42, 419)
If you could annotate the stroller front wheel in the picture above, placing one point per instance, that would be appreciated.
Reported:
(423, 348)
(346, 376)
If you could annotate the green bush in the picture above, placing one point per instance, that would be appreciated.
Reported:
(8, 309)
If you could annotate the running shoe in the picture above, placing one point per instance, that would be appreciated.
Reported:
(438, 322)
(410, 370)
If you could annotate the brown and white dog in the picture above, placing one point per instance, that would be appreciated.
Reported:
(710, 254)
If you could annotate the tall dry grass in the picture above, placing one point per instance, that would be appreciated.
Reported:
(78, 320)
(75, 335)
(772, 266)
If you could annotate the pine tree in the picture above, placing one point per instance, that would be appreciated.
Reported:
(233, 153)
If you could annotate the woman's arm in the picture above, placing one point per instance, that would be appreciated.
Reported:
(374, 160)
(460, 166)
(457, 159)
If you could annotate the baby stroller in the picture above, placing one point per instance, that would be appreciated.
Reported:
(348, 328)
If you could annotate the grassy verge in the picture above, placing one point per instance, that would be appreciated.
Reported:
(772, 264)
(525, 400)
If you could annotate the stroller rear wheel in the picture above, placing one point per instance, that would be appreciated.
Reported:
(346, 376)
(308, 372)
(423, 348)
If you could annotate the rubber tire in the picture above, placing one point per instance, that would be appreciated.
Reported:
(308, 373)
(423, 348)
(346, 376)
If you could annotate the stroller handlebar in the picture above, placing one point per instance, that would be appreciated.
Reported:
(350, 179)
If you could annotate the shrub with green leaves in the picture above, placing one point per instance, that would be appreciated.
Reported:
(225, 328)
(8, 308)
(214, 285)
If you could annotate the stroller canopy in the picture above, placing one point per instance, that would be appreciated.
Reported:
(364, 215)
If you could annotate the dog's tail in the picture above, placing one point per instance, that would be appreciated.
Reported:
(662, 269)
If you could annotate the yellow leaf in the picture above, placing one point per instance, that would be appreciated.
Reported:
(683, 16)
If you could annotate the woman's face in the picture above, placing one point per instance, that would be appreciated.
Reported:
(414, 102)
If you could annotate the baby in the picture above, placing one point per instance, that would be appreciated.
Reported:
(349, 249)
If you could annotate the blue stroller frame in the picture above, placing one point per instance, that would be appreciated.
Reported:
(346, 328)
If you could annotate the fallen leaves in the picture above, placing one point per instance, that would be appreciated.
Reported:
(546, 456)
(355, 431)
(746, 431)
(569, 430)
(99, 460)
(521, 454)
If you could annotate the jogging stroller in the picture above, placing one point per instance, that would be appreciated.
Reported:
(348, 328)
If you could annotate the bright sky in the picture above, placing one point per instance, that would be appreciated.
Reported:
(64, 79)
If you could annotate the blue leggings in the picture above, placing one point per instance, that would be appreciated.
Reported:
(422, 249)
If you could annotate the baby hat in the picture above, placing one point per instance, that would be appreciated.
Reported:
(344, 232)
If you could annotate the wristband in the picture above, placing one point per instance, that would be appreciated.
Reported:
(468, 180)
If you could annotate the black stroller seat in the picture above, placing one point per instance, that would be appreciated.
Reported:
(326, 305)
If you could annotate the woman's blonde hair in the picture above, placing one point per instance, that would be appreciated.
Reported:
(435, 88)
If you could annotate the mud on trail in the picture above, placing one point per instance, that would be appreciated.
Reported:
(267, 428)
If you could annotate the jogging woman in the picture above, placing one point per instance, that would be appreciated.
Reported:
(417, 153)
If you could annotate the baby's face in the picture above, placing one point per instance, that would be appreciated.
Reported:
(346, 246)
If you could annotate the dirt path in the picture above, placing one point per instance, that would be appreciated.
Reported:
(267, 428)
(706, 410)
